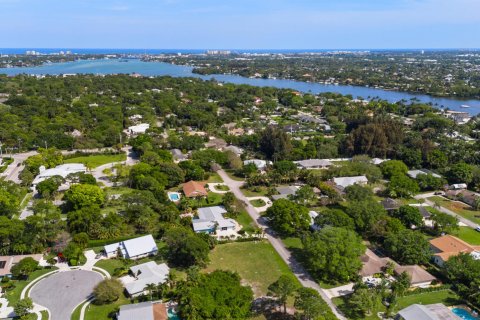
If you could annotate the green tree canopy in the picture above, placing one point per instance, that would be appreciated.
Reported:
(108, 291)
(393, 167)
(408, 247)
(284, 288)
(218, 296)
(84, 195)
(288, 217)
(24, 267)
(333, 254)
(409, 215)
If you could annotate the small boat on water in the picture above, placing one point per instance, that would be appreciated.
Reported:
(464, 106)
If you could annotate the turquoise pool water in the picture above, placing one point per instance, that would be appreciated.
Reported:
(174, 196)
(172, 314)
(464, 314)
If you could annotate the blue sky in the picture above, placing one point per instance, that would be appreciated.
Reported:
(240, 24)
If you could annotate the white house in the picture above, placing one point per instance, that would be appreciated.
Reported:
(138, 129)
(260, 164)
(313, 164)
(62, 170)
(134, 248)
(143, 274)
(211, 219)
(343, 182)
(414, 173)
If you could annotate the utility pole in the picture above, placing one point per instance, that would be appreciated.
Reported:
(46, 145)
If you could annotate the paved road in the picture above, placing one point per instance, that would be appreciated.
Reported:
(305, 279)
(62, 292)
(445, 210)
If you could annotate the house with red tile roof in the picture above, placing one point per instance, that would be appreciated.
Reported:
(193, 189)
(448, 246)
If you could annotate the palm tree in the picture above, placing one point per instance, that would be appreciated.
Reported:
(172, 279)
(151, 287)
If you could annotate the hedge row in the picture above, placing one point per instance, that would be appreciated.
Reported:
(429, 289)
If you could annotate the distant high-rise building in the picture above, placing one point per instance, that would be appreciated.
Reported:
(218, 52)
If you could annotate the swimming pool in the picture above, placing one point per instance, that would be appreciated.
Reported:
(174, 196)
(172, 315)
(464, 314)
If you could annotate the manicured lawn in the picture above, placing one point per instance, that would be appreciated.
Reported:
(213, 199)
(258, 203)
(233, 176)
(222, 187)
(14, 295)
(458, 207)
(446, 297)
(118, 190)
(246, 221)
(95, 312)
(214, 178)
(44, 315)
(293, 243)
(109, 265)
(255, 192)
(94, 161)
(258, 263)
(469, 235)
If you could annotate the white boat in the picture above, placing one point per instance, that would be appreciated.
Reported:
(464, 106)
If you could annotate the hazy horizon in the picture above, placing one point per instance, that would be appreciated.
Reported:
(266, 24)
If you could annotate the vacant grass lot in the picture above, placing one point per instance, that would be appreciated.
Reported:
(469, 235)
(447, 297)
(94, 161)
(258, 263)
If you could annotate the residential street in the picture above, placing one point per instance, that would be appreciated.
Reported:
(445, 210)
(305, 279)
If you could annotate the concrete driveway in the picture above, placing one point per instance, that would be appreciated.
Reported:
(62, 292)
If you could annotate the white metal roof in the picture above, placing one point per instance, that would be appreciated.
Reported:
(139, 246)
(141, 128)
(147, 273)
(62, 170)
(313, 163)
(136, 311)
(211, 213)
(348, 181)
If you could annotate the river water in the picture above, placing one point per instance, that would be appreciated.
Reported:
(114, 66)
